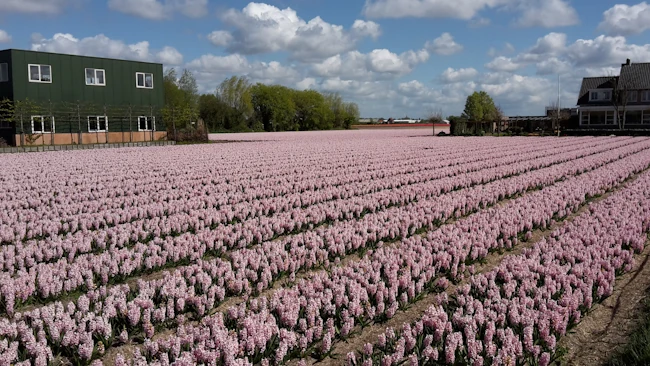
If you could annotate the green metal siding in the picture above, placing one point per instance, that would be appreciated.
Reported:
(6, 88)
(118, 99)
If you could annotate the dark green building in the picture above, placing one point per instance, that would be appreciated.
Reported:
(51, 98)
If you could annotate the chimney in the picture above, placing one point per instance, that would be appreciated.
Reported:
(627, 62)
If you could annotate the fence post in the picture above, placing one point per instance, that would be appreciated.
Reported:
(22, 131)
(153, 122)
(50, 115)
(106, 121)
(130, 124)
(80, 137)
(69, 114)
(121, 125)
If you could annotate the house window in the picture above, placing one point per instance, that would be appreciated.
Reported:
(645, 96)
(646, 117)
(600, 95)
(97, 123)
(144, 80)
(42, 124)
(40, 73)
(633, 117)
(598, 118)
(632, 96)
(4, 72)
(95, 77)
(146, 123)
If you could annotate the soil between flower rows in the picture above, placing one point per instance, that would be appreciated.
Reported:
(607, 327)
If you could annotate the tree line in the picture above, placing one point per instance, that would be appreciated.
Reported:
(238, 105)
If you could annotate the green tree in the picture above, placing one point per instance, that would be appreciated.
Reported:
(337, 108)
(218, 116)
(312, 113)
(181, 100)
(189, 88)
(350, 114)
(480, 107)
(236, 93)
(273, 107)
(458, 125)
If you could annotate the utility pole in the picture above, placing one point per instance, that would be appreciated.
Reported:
(558, 105)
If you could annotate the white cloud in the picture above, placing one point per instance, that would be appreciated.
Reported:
(365, 28)
(503, 63)
(210, 63)
(552, 66)
(508, 48)
(158, 10)
(379, 64)
(623, 19)
(306, 83)
(457, 75)
(359, 90)
(462, 9)
(479, 22)
(263, 28)
(532, 13)
(33, 6)
(4, 36)
(606, 51)
(515, 89)
(547, 14)
(220, 38)
(272, 72)
(169, 56)
(211, 70)
(549, 44)
(444, 45)
(102, 46)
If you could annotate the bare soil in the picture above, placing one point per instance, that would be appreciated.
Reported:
(608, 326)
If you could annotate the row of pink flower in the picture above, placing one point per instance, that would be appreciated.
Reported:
(369, 289)
(259, 266)
(163, 200)
(517, 312)
(326, 307)
(230, 173)
(23, 256)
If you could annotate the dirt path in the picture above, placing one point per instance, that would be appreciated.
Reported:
(607, 327)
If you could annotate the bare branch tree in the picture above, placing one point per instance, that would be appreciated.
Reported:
(557, 115)
(434, 115)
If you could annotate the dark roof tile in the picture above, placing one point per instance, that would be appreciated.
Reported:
(635, 76)
(595, 83)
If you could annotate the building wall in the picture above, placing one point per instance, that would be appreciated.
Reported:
(6, 88)
(71, 101)
(91, 138)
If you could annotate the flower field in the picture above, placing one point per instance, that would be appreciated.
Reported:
(278, 249)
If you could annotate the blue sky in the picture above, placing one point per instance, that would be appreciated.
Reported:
(392, 57)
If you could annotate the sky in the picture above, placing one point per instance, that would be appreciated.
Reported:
(394, 58)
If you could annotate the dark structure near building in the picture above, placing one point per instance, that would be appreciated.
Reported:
(616, 102)
(53, 99)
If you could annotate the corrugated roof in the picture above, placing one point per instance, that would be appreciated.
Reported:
(635, 76)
